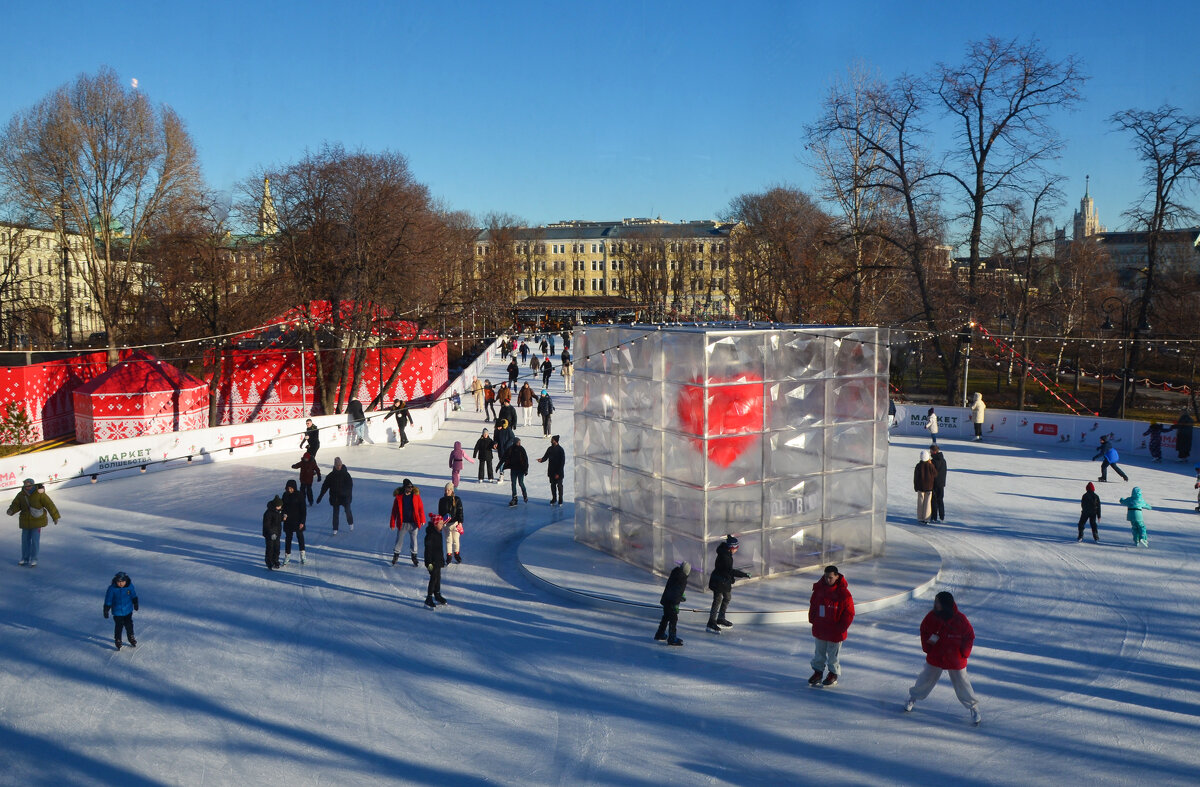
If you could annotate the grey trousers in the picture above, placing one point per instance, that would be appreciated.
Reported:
(719, 605)
(826, 657)
(958, 677)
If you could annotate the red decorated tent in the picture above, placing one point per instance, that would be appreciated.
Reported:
(141, 395)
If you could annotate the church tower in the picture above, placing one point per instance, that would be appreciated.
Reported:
(1087, 222)
(268, 222)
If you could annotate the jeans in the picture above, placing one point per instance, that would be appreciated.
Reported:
(30, 541)
(349, 515)
(826, 656)
(929, 678)
(1116, 468)
(410, 529)
(518, 478)
(287, 548)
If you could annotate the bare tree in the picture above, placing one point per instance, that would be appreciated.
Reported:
(1001, 97)
(1167, 143)
(99, 157)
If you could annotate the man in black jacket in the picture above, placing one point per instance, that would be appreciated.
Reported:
(399, 411)
(557, 458)
(721, 583)
(483, 452)
(939, 485)
(359, 419)
(340, 487)
(313, 436)
(672, 597)
(507, 413)
(517, 464)
(545, 409)
(434, 562)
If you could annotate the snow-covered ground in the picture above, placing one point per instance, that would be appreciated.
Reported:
(1086, 660)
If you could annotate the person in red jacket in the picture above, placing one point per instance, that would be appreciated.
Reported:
(830, 611)
(408, 514)
(946, 638)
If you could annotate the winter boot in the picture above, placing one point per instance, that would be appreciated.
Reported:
(118, 644)
(676, 642)
(815, 678)
(830, 681)
(713, 627)
(723, 622)
(414, 559)
(457, 557)
(302, 557)
(429, 602)
(395, 557)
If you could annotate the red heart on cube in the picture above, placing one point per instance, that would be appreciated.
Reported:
(735, 415)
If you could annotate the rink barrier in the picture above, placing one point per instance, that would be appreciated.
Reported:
(93, 462)
(1023, 427)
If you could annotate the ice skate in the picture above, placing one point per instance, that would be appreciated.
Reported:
(438, 597)
(457, 557)
(302, 557)
(713, 627)
(908, 705)
(132, 642)
(976, 717)
(429, 602)
(660, 636)
(676, 642)
(815, 678)
(512, 503)
(724, 623)
(118, 644)
(395, 557)
(414, 559)
(830, 681)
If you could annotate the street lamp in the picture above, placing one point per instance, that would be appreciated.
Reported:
(964, 336)
(1110, 305)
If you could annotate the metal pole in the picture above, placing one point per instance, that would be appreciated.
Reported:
(966, 372)
(303, 385)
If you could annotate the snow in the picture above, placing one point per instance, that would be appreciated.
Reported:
(334, 672)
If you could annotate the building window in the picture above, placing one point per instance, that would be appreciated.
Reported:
(593, 248)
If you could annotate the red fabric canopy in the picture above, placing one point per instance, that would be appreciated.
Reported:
(141, 395)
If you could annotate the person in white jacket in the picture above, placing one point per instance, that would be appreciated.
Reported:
(978, 410)
(931, 426)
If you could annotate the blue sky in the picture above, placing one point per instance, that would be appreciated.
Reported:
(578, 110)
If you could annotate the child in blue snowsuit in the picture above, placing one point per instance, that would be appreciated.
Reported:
(1136, 505)
(121, 598)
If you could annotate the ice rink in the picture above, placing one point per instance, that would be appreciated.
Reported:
(335, 673)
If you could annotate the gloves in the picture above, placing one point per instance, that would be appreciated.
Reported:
(106, 608)
(135, 606)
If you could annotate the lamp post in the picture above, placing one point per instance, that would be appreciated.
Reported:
(965, 338)
(65, 241)
(1110, 305)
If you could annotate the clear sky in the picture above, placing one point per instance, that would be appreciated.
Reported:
(579, 110)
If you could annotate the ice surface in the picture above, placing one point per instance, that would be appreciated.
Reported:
(1085, 659)
(720, 422)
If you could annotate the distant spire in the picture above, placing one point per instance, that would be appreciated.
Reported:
(1086, 185)
(268, 222)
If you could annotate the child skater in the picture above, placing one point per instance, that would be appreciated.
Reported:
(1136, 505)
(121, 599)
(932, 425)
(457, 457)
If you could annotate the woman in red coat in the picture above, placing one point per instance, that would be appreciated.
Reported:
(830, 611)
(946, 638)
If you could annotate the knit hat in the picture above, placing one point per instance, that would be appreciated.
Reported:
(1091, 487)
(28, 482)
(931, 411)
(731, 541)
(407, 484)
(687, 567)
(925, 456)
(276, 502)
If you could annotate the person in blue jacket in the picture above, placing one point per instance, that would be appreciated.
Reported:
(122, 600)
(1136, 505)
(1111, 457)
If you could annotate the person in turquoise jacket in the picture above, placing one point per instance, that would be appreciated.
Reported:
(1136, 506)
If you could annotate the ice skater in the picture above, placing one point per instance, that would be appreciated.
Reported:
(477, 394)
(516, 462)
(555, 471)
(489, 401)
(720, 582)
(830, 611)
(931, 425)
(312, 438)
(1136, 505)
(924, 480)
(121, 599)
(399, 411)
(435, 561)
(33, 505)
(978, 413)
(450, 509)
(483, 452)
(309, 469)
(939, 484)
(672, 597)
(946, 638)
(1156, 431)
(1089, 506)
(271, 530)
(545, 409)
(408, 513)
(295, 514)
(340, 487)
(1183, 435)
(525, 402)
(457, 457)
(1111, 457)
